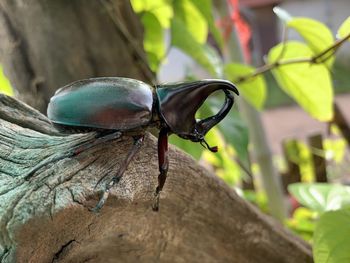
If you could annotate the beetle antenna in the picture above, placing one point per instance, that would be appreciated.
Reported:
(213, 149)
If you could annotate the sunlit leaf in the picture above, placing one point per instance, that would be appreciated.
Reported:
(192, 19)
(252, 89)
(344, 29)
(335, 149)
(309, 84)
(142, 5)
(302, 222)
(153, 40)
(194, 149)
(321, 197)
(5, 86)
(204, 55)
(299, 153)
(316, 34)
(162, 9)
(331, 241)
(205, 7)
(229, 171)
(225, 167)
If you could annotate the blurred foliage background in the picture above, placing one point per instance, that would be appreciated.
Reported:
(304, 72)
(221, 40)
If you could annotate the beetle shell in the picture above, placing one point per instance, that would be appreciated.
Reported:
(106, 103)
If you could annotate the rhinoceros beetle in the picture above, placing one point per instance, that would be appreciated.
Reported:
(126, 106)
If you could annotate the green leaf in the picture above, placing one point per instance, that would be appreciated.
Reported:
(309, 84)
(162, 9)
(153, 40)
(206, 7)
(300, 154)
(302, 222)
(204, 55)
(321, 197)
(344, 29)
(316, 34)
(5, 85)
(236, 133)
(331, 242)
(192, 19)
(336, 148)
(223, 162)
(155, 16)
(233, 129)
(194, 149)
(252, 89)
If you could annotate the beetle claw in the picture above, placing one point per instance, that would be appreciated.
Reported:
(206, 145)
(115, 179)
(155, 205)
(105, 193)
(101, 202)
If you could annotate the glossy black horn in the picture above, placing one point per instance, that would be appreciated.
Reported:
(179, 102)
(203, 126)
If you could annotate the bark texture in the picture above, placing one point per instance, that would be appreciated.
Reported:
(46, 218)
(45, 44)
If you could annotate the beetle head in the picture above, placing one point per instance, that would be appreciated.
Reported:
(179, 102)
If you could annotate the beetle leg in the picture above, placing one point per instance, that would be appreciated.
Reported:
(115, 179)
(163, 165)
(98, 140)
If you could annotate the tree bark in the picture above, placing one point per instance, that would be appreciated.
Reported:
(47, 44)
(47, 219)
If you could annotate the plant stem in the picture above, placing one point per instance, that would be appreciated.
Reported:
(317, 59)
(270, 179)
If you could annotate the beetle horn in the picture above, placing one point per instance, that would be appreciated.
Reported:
(179, 102)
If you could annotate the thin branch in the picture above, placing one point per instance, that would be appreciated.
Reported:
(332, 48)
(317, 59)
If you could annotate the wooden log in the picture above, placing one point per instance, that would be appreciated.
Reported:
(47, 218)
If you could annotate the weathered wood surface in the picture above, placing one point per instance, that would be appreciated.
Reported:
(46, 219)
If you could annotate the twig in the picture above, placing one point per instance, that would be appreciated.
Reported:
(317, 59)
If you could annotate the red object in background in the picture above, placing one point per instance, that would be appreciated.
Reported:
(242, 28)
